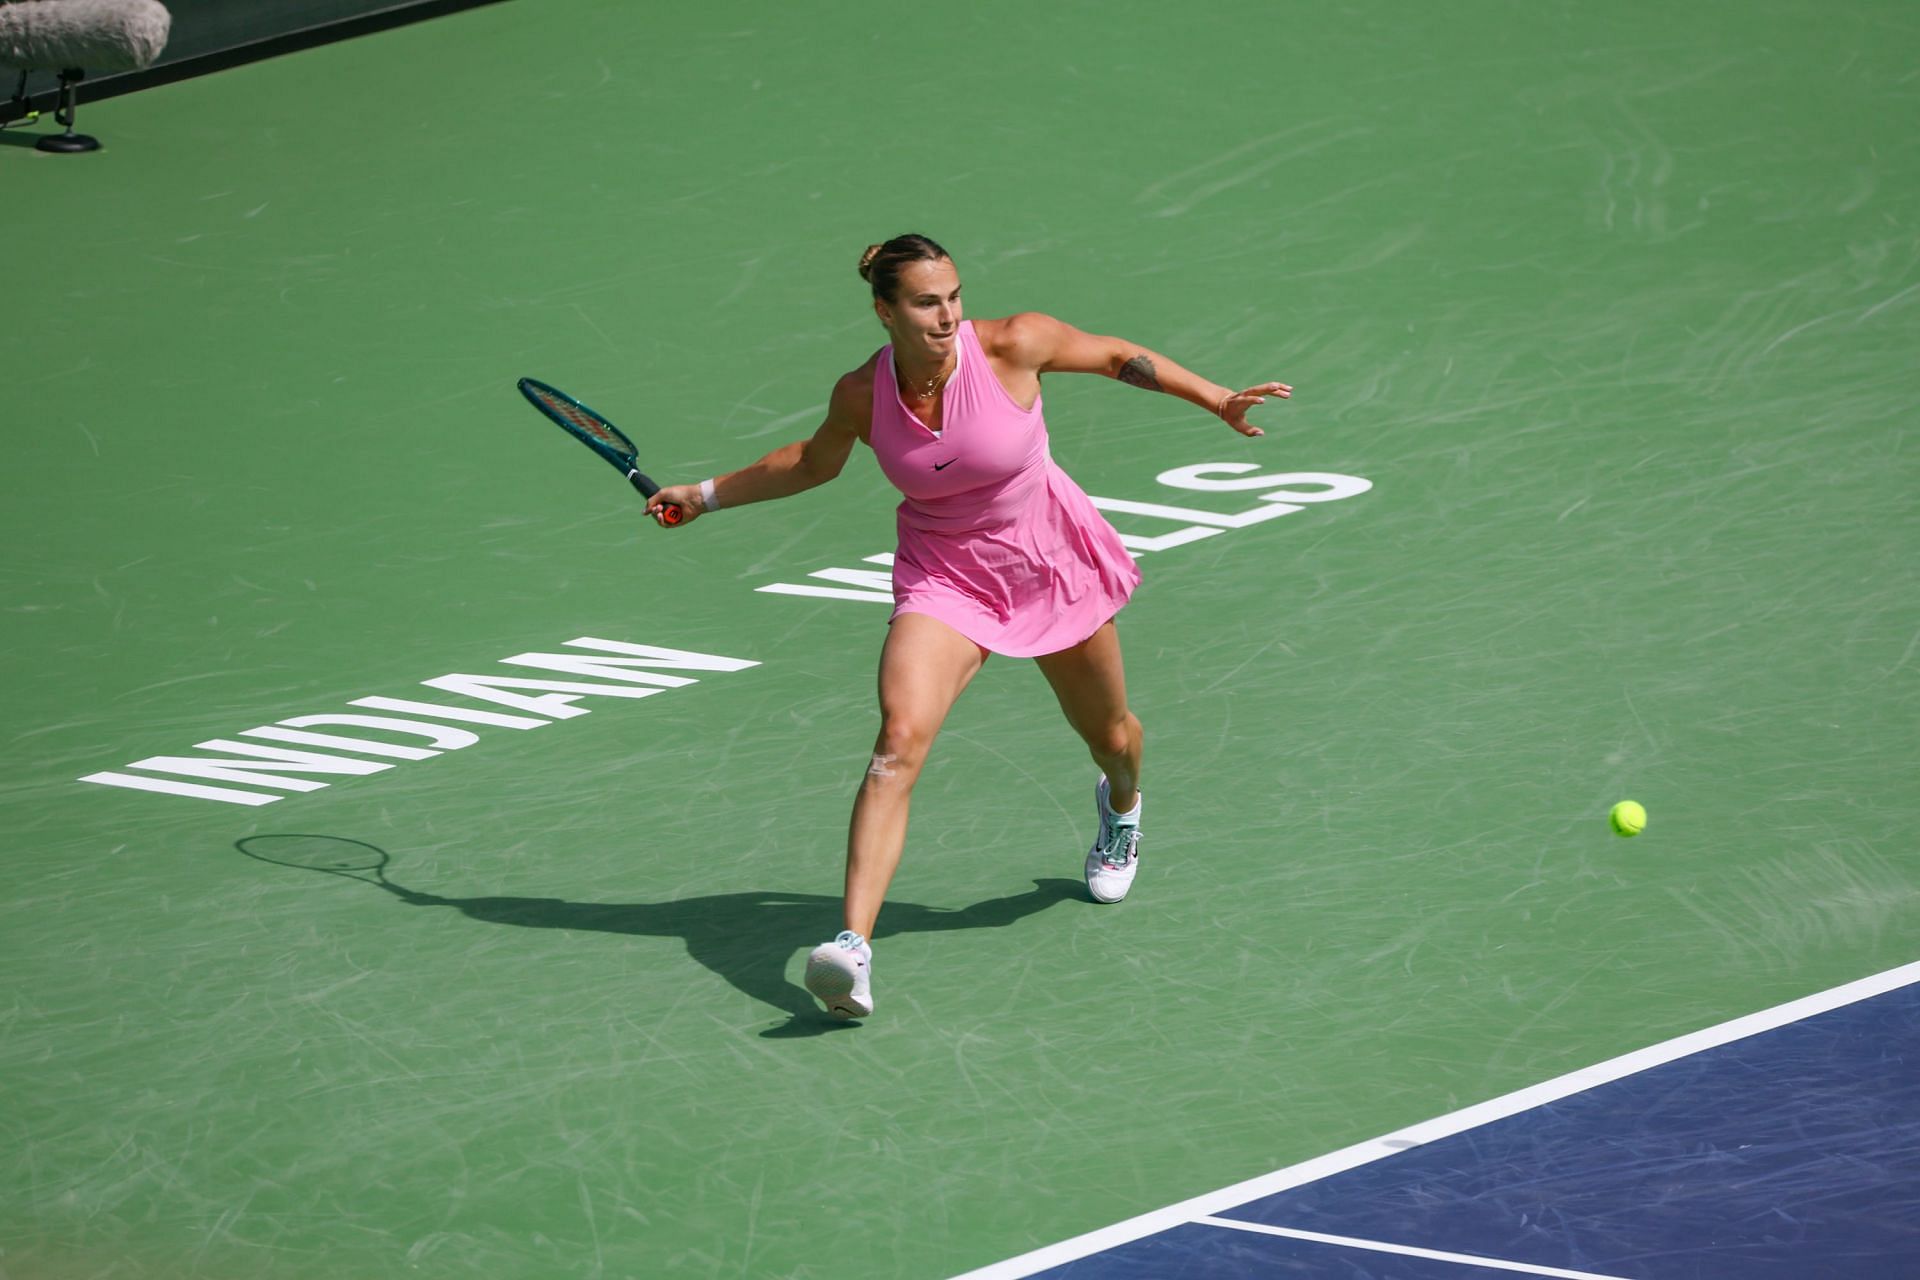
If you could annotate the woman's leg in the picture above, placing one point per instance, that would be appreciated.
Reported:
(1091, 683)
(923, 667)
(1092, 687)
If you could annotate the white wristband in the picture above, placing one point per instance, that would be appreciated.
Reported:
(707, 498)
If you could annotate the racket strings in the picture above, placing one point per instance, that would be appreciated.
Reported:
(587, 422)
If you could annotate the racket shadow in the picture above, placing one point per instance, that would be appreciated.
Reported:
(746, 938)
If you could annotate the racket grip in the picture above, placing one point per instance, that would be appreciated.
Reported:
(669, 514)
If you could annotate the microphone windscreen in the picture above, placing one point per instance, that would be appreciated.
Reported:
(93, 35)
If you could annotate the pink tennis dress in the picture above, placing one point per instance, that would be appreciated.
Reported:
(996, 541)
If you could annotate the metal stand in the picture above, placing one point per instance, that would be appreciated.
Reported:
(68, 141)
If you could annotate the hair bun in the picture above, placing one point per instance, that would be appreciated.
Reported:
(881, 264)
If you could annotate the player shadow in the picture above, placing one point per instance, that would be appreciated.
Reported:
(746, 938)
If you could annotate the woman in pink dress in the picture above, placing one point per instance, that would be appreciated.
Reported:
(1000, 552)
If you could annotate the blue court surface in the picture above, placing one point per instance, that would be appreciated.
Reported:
(1782, 1146)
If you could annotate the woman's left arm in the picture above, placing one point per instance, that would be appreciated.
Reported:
(1047, 345)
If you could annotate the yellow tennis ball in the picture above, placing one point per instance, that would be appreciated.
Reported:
(1628, 818)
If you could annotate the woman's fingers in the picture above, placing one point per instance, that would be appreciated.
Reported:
(674, 505)
(1235, 408)
(659, 511)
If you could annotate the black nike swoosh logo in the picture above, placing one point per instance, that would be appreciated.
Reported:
(941, 466)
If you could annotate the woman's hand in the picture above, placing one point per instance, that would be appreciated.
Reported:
(1233, 406)
(685, 497)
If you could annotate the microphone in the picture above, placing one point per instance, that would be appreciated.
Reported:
(74, 37)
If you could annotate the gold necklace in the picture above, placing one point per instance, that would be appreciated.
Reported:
(932, 387)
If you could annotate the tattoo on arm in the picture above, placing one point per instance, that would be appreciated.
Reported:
(1138, 372)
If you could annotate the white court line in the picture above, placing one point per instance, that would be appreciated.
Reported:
(1445, 1126)
(1380, 1246)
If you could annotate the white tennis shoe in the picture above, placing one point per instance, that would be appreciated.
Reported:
(1115, 855)
(839, 974)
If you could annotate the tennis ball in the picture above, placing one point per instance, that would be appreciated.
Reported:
(1628, 818)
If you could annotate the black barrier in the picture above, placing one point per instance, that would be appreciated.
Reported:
(210, 35)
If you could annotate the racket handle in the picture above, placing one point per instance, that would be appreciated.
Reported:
(669, 514)
(639, 479)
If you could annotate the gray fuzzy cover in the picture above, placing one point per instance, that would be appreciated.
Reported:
(94, 35)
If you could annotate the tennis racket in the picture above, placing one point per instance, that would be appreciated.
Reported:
(599, 435)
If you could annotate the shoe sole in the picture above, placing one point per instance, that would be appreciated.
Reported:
(832, 986)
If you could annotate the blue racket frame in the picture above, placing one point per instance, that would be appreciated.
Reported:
(540, 395)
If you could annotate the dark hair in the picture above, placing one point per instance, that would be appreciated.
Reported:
(881, 264)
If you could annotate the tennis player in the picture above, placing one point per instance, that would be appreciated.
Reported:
(999, 552)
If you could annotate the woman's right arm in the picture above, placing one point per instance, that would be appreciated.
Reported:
(786, 471)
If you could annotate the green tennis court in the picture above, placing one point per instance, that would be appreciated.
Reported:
(1595, 485)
